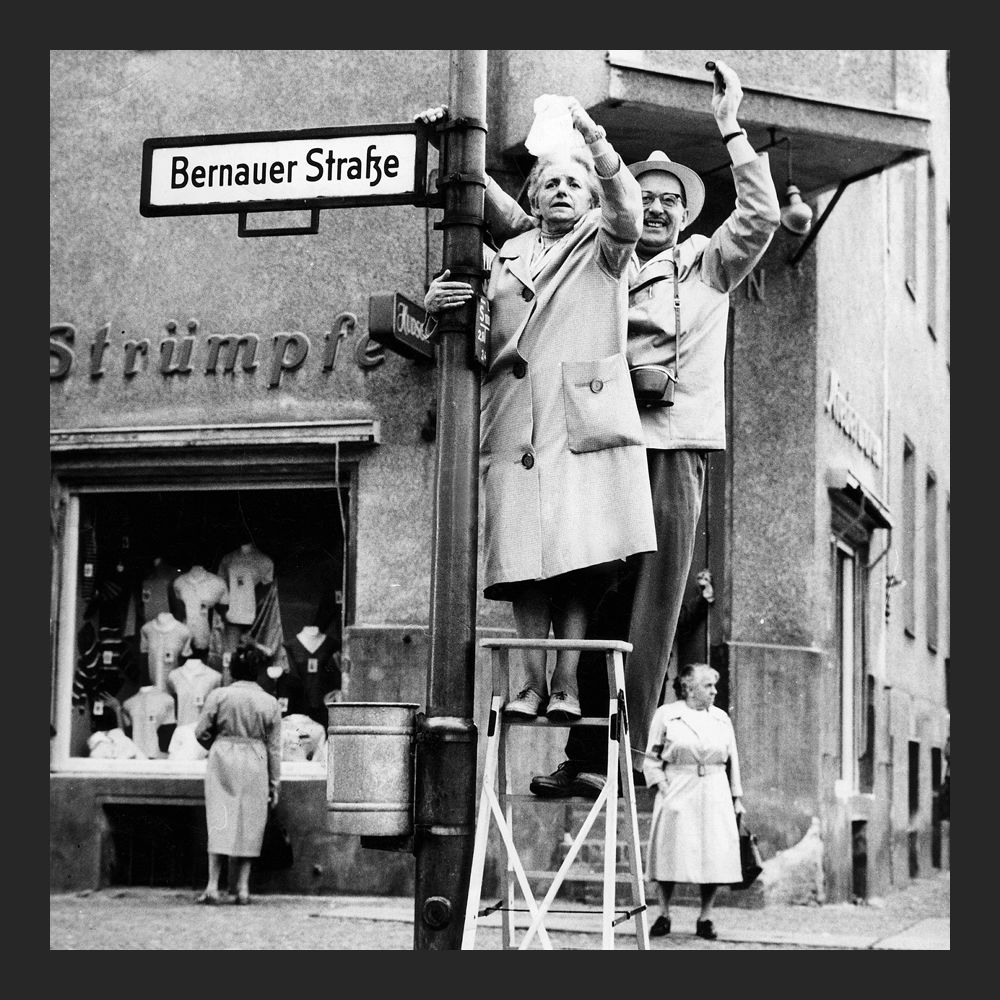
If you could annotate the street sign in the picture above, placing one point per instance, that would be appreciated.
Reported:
(280, 171)
(482, 331)
(401, 325)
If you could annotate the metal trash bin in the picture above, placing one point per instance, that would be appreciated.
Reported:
(369, 777)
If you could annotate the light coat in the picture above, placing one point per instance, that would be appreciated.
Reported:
(562, 460)
(241, 724)
(709, 269)
(693, 835)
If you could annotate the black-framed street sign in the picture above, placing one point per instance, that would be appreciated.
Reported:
(401, 325)
(310, 169)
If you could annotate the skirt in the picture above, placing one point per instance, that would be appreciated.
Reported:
(236, 784)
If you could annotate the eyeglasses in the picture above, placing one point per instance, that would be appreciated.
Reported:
(668, 201)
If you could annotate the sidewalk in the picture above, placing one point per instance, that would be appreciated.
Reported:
(916, 917)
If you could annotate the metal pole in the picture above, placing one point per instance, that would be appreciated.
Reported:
(444, 821)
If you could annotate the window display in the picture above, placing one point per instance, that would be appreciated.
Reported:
(164, 641)
(200, 591)
(152, 717)
(302, 738)
(176, 581)
(315, 659)
(189, 684)
(243, 570)
(286, 687)
(157, 590)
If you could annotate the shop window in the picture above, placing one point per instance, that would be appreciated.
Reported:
(855, 726)
(936, 811)
(909, 535)
(932, 261)
(931, 560)
(866, 757)
(859, 860)
(947, 286)
(854, 518)
(913, 772)
(908, 177)
(171, 581)
(947, 570)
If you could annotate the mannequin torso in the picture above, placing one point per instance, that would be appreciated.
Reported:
(164, 640)
(190, 684)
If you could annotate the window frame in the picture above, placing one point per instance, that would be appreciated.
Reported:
(81, 475)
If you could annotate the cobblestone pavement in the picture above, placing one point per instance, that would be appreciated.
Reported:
(914, 918)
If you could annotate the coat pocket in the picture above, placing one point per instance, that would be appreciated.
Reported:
(600, 407)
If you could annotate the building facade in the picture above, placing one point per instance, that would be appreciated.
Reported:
(210, 392)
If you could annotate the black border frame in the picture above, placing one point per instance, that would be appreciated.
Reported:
(418, 196)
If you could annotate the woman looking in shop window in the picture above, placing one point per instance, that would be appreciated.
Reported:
(240, 725)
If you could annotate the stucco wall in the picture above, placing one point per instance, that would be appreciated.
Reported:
(772, 453)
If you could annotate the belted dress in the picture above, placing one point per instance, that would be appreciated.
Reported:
(693, 835)
(241, 725)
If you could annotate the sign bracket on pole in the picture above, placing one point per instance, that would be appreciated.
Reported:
(311, 230)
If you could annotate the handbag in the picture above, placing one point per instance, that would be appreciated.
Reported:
(751, 862)
(276, 848)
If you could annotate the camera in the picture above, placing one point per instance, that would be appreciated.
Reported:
(653, 385)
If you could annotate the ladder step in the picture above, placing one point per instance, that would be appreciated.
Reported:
(576, 800)
(543, 722)
(623, 878)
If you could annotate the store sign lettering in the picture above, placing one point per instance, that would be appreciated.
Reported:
(182, 352)
(838, 405)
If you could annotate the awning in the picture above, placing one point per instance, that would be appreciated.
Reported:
(846, 483)
(290, 433)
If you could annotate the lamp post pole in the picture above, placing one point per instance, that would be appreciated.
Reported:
(444, 814)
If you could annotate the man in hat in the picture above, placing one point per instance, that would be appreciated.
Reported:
(678, 437)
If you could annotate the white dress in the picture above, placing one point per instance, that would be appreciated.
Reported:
(693, 836)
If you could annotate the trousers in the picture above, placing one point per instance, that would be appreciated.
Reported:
(643, 608)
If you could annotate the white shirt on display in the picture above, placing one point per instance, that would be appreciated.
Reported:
(242, 570)
(200, 591)
(164, 640)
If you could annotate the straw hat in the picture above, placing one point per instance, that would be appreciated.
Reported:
(694, 187)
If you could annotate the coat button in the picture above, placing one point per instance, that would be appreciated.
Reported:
(527, 294)
(596, 385)
(520, 369)
(527, 460)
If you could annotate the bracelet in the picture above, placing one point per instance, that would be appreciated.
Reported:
(601, 134)
(732, 135)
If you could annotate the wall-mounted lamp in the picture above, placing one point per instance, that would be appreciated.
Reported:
(796, 216)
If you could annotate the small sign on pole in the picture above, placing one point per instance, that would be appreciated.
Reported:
(401, 325)
(482, 329)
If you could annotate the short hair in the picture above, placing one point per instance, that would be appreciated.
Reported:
(246, 663)
(685, 677)
(581, 156)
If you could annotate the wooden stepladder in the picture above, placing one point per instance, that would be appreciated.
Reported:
(497, 806)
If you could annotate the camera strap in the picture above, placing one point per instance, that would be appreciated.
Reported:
(677, 315)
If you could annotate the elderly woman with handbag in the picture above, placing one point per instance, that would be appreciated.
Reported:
(691, 760)
(562, 460)
(240, 725)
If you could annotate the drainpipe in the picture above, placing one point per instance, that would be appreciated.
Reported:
(445, 753)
